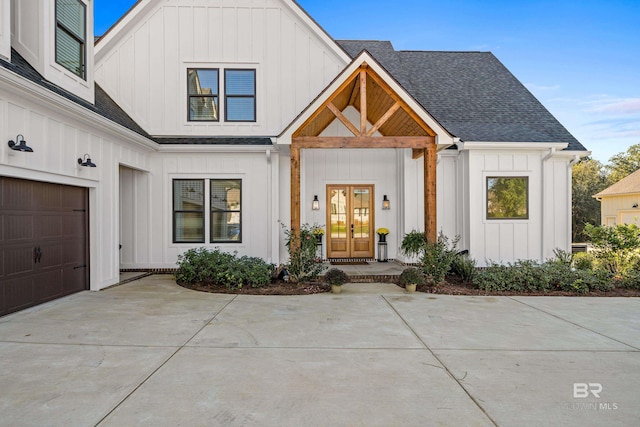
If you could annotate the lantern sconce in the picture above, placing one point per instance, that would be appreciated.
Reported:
(86, 161)
(315, 205)
(635, 206)
(20, 145)
(386, 204)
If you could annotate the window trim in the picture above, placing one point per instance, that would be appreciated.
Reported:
(83, 43)
(486, 192)
(239, 211)
(174, 211)
(254, 96)
(189, 96)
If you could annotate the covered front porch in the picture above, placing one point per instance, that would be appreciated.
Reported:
(363, 156)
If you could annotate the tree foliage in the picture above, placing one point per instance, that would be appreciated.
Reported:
(589, 178)
(624, 164)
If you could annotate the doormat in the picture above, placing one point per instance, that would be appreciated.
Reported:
(349, 263)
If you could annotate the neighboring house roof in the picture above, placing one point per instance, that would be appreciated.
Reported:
(627, 185)
(471, 94)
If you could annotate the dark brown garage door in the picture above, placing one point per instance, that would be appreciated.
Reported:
(43, 242)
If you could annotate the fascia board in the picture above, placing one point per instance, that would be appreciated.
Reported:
(213, 148)
(118, 30)
(37, 94)
(480, 145)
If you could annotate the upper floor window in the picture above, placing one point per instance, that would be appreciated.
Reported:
(203, 94)
(240, 95)
(508, 197)
(71, 35)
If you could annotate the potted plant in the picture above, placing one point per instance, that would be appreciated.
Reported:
(382, 234)
(411, 277)
(336, 278)
(318, 232)
(413, 244)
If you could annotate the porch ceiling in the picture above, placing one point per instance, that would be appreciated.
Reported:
(384, 110)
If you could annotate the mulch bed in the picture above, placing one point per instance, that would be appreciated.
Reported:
(452, 286)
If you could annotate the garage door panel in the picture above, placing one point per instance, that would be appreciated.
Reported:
(18, 227)
(72, 227)
(16, 195)
(18, 261)
(47, 197)
(48, 285)
(73, 254)
(50, 256)
(74, 198)
(73, 279)
(17, 294)
(49, 226)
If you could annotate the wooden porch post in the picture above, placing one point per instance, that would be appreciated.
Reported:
(295, 189)
(430, 223)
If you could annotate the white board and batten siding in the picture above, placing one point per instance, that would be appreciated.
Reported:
(145, 70)
(549, 205)
(59, 137)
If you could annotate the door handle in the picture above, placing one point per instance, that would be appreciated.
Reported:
(35, 255)
(351, 230)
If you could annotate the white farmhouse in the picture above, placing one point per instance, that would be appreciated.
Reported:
(211, 123)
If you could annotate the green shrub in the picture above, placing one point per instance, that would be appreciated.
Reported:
(214, 267)
(438, 256)
(583, 261)
(413, 244)
(411, 275)
(630, 280)
(464, 266)
(304, 264)
(335, 276)
(530, 276)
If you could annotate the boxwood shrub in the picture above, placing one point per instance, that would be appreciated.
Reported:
(213, 267)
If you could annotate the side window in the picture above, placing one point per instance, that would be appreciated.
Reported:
(240, 95)
(226, 213)
(507, 197)
(203, 95)
(188, 211)
(71, 20)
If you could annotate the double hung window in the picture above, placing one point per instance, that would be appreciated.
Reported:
(71, 35)
(224, 210)
(204, 92)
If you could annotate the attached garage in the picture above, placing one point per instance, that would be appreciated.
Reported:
(43, 242)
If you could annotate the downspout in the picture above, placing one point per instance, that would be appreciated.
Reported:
(572, 162)
(552, 151)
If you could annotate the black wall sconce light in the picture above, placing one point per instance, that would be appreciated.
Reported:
(386, 204)
(635, 206)
(20, 145)
(315, 205)
(86, 161)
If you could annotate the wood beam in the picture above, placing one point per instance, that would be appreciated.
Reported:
(363, 142)
(363, 99)
(295, 189)
(430, 209)
(417, 153)
(383, 119)
(345, 121)
(315, 114)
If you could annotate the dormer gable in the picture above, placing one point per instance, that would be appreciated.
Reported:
(56, 38)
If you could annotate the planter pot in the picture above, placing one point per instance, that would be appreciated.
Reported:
(410, 287)
(336, 289)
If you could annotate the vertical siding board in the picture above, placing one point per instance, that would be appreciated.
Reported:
(172, 105)
(229, 34)
(201, 29)
(214, 25)
(244, 34)
(141, 75)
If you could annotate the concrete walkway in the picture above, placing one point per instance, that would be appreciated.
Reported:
(151, 353)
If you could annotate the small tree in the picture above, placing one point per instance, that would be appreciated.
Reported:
(615, 248)
(304, 264)
(438, 256)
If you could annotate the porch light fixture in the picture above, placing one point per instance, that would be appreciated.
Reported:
(635, 206)
(386, 204)
(20, 145)
(315, 205)
(86, 161)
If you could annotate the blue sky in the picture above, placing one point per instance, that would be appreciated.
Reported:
(580, 58)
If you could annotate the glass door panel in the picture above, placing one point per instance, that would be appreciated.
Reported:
(350, 219)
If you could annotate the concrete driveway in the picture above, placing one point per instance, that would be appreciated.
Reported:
(152, 353)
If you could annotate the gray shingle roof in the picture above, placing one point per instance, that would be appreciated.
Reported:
(471, 94)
